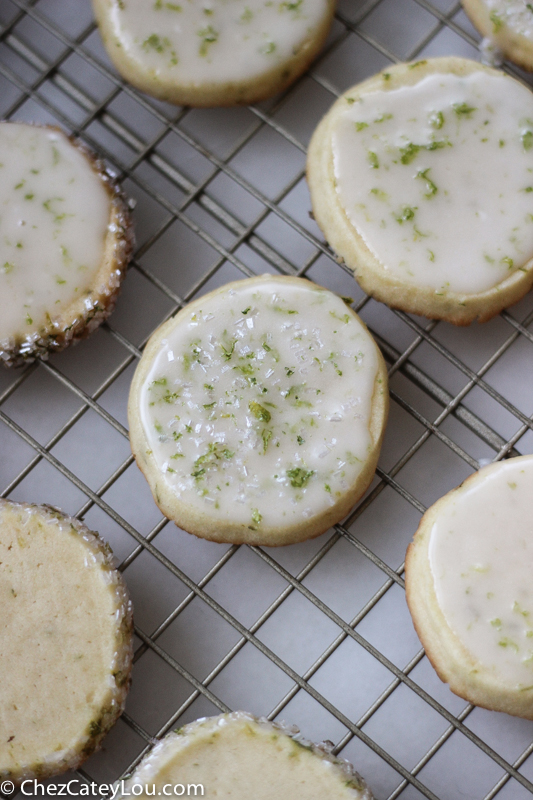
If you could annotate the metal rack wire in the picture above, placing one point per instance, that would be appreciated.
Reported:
(318, 633)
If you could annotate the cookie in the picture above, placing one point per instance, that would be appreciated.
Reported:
(506, 24)
(256, 413)
(214, 52)
(468, 582)
(65, 241)
(65, 642)
(421, 179)
(238, 756)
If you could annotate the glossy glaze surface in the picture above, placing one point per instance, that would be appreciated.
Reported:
(257, 406)
(516, 14)
(219, 41)
(438, 179)
(54, 214)
(481, 556)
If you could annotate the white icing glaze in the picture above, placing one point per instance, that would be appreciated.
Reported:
(54, 212)
(257, 406)
(481, 556)
(516, 14)
(438, 179)
(213, 41)
(491, 54)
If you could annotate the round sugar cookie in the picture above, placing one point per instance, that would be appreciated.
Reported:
(469, 588)
(421, 179)
(214, 52)
(257, 412)
(240, 757)
(508, 24)
(65, 241)
(65, 642)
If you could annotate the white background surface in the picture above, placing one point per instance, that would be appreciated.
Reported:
(316, 634)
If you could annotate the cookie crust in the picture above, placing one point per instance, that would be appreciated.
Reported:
(349, 245)
(294, 767)
(216, 528)
(65, 664)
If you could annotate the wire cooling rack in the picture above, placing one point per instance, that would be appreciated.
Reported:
(317, 634)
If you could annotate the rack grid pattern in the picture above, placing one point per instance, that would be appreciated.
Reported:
(316, 634)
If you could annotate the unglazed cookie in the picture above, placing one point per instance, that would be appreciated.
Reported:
(469, 588)
(421, 179)
(257, 412)
(65, 241)
(507, 24)
(240, 757)
(213, 52)
(65, 641)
